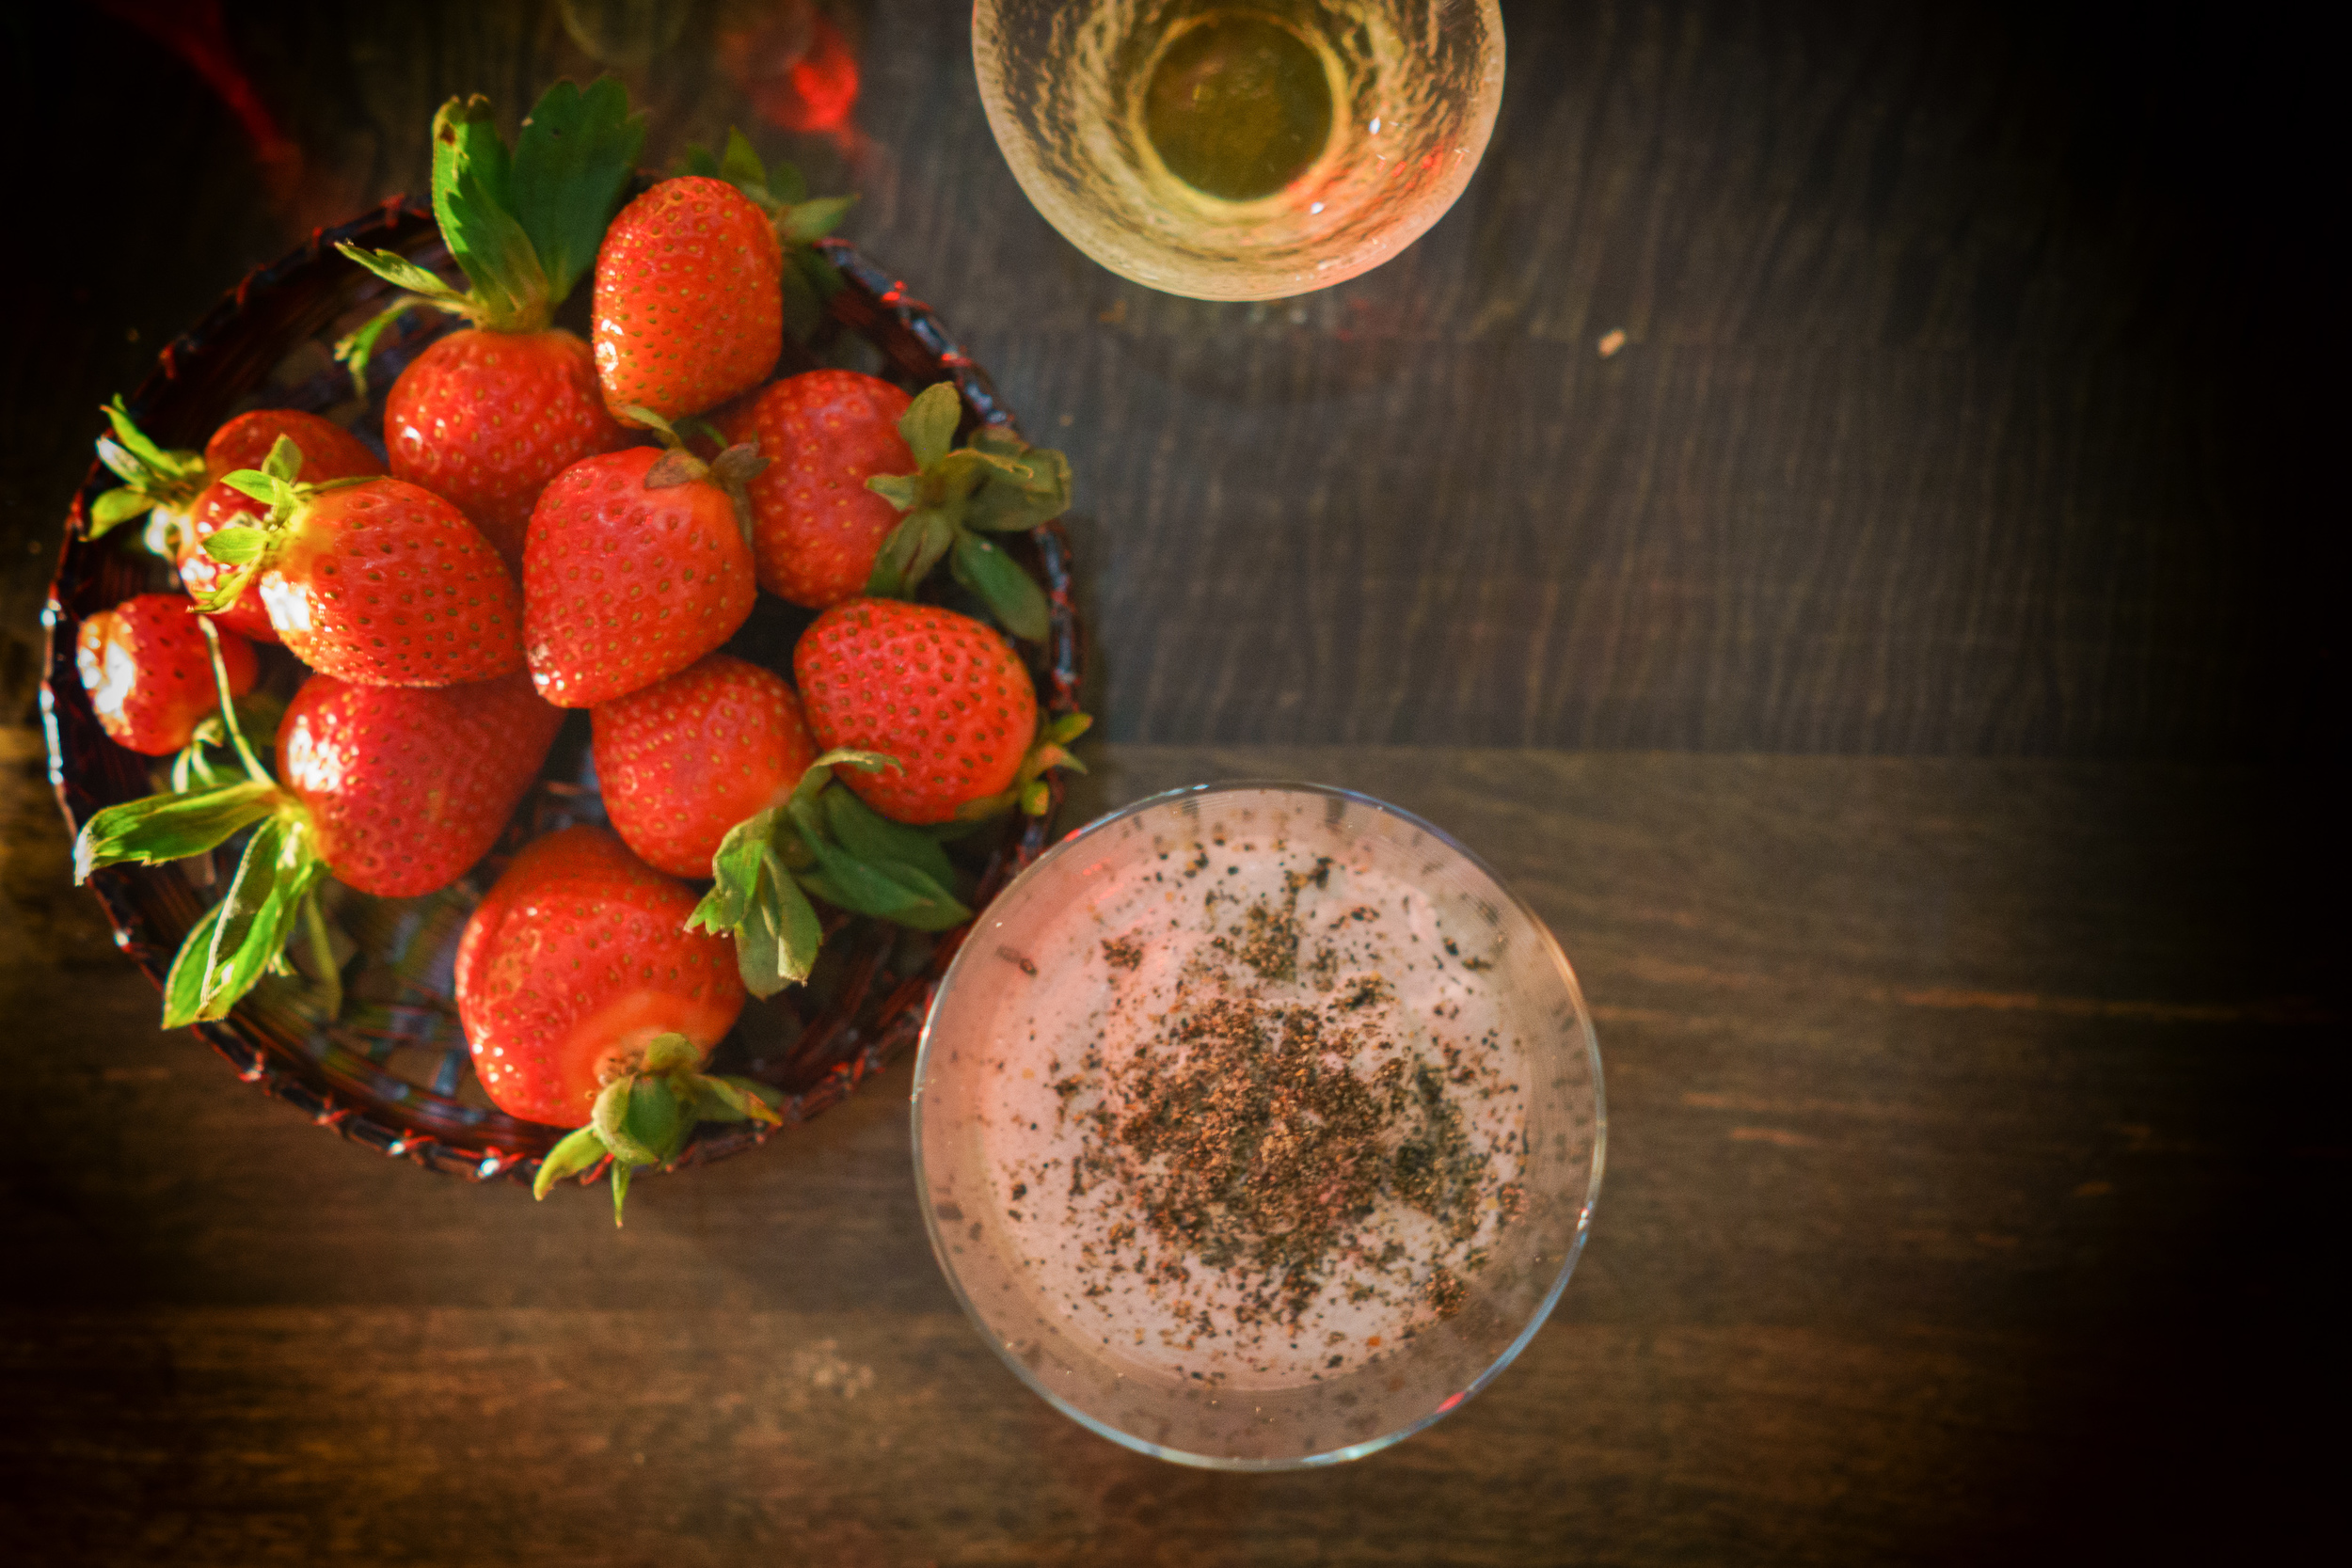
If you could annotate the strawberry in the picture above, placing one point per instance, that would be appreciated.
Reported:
(150, 674)
(486, 419)
(164, 481)
(957, 496)
(687, 758)
(174, 484)
(393, 791)
(328, 452)
(815, 525)
(941, 693)
(636, 565)
(782, 196)
(711, 773)
(689, 308)
(373, 581)
(408, 786)
(486, 416)
(584, 1000)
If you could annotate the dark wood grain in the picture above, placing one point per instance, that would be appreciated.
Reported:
(1948, 422)
(1976, 1144)
(1962, 1118)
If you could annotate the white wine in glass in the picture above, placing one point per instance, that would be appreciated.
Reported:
(1240, 151)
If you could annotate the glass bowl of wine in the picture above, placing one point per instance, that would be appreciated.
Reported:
(1240, 151)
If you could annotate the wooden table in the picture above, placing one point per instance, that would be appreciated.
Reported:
(1890, 674)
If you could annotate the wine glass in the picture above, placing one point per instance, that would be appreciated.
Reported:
(1240, 150)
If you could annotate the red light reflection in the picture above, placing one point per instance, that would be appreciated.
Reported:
(193, 29)
(797, 71)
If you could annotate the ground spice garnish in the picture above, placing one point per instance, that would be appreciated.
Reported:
(1241, 1137)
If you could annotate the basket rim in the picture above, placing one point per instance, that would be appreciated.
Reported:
(876, 305)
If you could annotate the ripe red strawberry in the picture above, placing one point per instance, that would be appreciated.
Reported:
(585, 1000)
(175, 485)
(635, 566)
(814, 525)
(149, 674)
(687, 758)
(486, 418)
(689, 302)
(372, 580)
(394, 791)
(408, 786)
(328, 452)
(943, 694)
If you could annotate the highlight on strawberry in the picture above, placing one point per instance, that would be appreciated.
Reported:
(587, 1004)
(392, 791)
(955, 499)
(374, 580)
(488, 415)
(638, 562)
(148, 669)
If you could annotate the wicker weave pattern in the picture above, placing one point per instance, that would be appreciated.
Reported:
(344, 1078)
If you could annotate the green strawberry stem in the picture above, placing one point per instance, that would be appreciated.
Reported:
(1028, 790)
(643, 1114)
(251, 546)
(732, 470)
(152, 476)
(275, 888)
(956, 497)
(809, 278)
(523, 226)
(824, 841)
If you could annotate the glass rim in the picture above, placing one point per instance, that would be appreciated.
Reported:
(1510, 1353)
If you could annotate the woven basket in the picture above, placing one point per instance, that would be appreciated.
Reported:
(392, 1074)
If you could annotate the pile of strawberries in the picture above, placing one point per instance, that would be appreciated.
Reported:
(562, 523)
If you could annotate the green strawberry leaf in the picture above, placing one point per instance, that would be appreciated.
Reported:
(654, 1118)
(257, 917)
(610, 1117)
(327, 974)
(575, 1152)
(171, 826)
(739, 166)
(152, 476)
(929, 425)
(1019, 492)
(401, 273)
(473, 199)
(183, 987)
(234, 547)
(889, 891)
(572, 162)
(718, 1098)
(1010, 593)
(870, 837)
(158, 461)
(114, 508)
(753, 899)
(696, 160)
(805, 221)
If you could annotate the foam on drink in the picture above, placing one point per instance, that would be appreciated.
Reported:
(1255, 1115)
